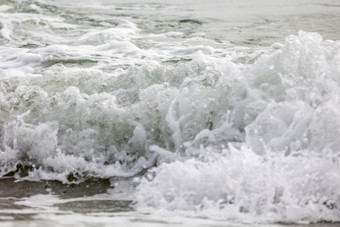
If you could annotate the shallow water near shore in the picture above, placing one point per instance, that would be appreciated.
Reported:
(170, 113)
(27, 203)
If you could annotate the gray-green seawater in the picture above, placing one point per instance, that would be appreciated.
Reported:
(169, 113)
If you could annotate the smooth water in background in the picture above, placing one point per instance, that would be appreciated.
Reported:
(169, 113)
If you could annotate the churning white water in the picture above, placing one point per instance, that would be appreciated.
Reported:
(222, 110)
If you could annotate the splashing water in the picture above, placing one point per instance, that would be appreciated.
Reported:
(224, 130)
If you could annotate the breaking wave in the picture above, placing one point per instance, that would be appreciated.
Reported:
(209, 129)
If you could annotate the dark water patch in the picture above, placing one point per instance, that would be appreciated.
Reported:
(95, 206)
(87, 188)
(177, 60)
(191, 21)
(78, 62)
(31, 45)
(22, 170)
(10, 188)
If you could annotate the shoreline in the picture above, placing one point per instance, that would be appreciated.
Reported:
(78, 203)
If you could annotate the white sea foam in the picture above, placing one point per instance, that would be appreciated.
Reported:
(223, 130)
(240, 186)
(284, 118)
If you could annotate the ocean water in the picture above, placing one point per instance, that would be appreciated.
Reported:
(169, 113)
